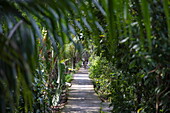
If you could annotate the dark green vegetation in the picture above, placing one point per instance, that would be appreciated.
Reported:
(129, 43)
(34, 59)
(131, 63)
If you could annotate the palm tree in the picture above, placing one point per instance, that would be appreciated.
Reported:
(22, 45)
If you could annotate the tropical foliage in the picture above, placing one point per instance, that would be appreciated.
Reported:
(128, 41)
(33, 35)
(130, 65)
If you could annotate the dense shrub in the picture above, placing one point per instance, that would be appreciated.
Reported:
(100, 72)
(131, 62)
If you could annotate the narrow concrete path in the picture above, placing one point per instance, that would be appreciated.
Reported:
(82, 98)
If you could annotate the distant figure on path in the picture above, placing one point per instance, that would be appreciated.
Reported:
(85, 57)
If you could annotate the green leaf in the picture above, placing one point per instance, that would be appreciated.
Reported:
(166, 10)
(146, 16)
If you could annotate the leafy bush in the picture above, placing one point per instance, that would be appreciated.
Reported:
(68, 77)
(110, 84)
(100, 71)
(135, 50)
(78, 65)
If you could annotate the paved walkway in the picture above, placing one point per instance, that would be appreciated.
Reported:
(82, 98)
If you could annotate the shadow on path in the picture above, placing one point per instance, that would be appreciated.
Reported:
(82, 98)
